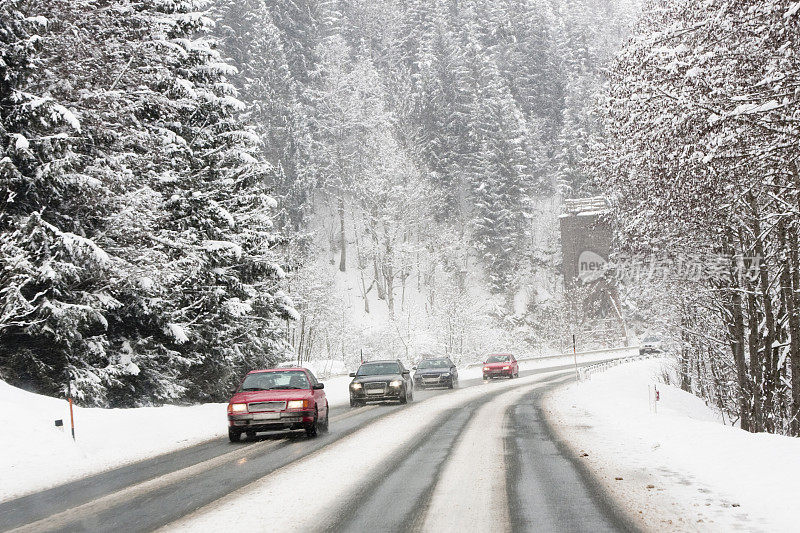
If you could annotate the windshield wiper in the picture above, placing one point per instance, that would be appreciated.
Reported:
(251, 389)
(284, 388)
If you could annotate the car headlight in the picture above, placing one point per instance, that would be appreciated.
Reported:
(297, 404)
(396, 383)
(445, 374)
(355, 385)
(237, 408)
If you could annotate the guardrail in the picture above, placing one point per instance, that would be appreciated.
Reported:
(568, 354)
(585, 372)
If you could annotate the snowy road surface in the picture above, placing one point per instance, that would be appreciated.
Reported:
(479, 458)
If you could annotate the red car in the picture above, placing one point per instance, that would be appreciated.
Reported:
(500, 364)
(275, 399)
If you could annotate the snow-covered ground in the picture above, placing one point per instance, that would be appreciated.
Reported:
(682, 469)
(37, 455)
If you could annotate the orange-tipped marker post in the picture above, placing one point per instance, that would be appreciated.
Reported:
(71, 418)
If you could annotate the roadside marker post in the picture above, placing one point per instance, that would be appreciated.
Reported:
(656, 399)
(653, 397)
(71, 418)
(575, 356)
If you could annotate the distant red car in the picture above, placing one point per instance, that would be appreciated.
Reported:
(501, 364)
(275, 399)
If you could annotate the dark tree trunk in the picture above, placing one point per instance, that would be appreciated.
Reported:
(685, 378)
(789, 288)
(736, 331)
(770, 377)
(794, 359)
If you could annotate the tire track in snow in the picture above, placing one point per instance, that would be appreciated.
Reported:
(547, 488)
(470, 494)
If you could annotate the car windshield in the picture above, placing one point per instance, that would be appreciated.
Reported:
(290, 379)
(433, 363)
(499, 359)
(378, 369)
(651, 339)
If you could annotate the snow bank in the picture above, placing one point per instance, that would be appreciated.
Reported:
(37, 455)
(682, 468)
(323, 368)
(337, 390)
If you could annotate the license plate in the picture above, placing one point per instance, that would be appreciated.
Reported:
(431, 380)
(266, 416)
(375, 391)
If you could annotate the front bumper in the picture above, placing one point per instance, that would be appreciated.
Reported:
(441, 381)
(391, 393)
(487, 374)
(270, 421)
(649, 349)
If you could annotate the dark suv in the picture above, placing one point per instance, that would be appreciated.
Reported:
(435, 372)
(381, 381)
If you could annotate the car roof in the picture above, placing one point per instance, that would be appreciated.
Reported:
(491, 354)
(434, 358)
(381, 361)
(294, 368)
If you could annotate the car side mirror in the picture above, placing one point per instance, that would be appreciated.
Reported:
(413, 368)
(406, 373)
(352, 374)
(318, 386)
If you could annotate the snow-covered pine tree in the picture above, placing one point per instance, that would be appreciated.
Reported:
(275, 102)
(225, 284)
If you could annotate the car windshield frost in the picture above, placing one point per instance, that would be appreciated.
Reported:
(433, 363)
(378, 369)
(499, 359)
(292, 379)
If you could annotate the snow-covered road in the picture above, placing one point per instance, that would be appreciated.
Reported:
(440, 463)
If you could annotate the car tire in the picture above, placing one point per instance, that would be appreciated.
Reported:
(326, 426)
(251, 435)
(234, 435)
(357, 403)
(451, 384)
(404, 397)
(313, 429)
